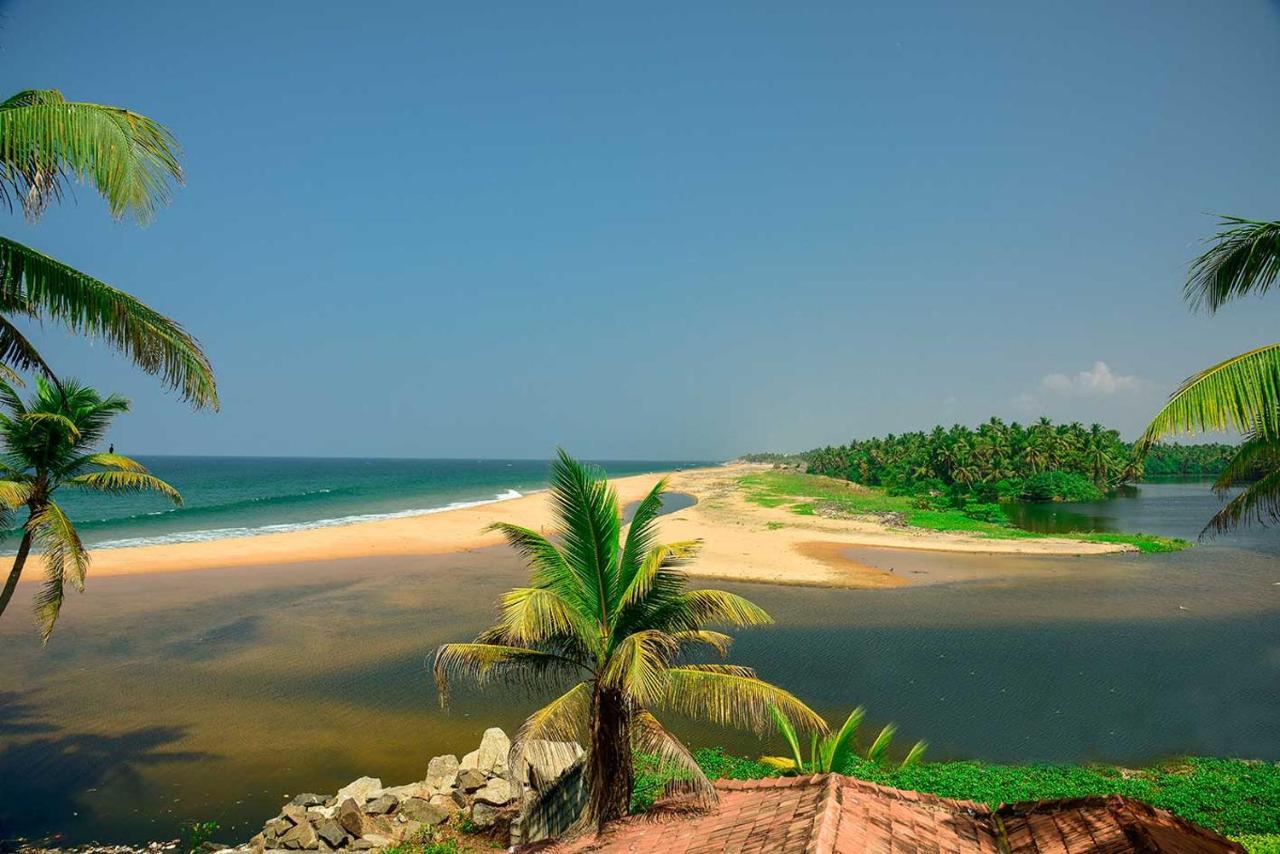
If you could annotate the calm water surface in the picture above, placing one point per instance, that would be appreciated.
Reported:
(212, 695)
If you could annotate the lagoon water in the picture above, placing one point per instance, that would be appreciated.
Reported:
(214, 694)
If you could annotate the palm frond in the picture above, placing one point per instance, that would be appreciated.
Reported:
(788, 731)
(733, 697)
(155, 343)
(700, 607)
(649, 736)
(1244, 259)
(18, 353)
(653, 562)
(14, 493)
(566, 718)
(1240, 394)
(1259, 502)
(717, 641)
(57, 419)
(124, 482)
(118, 462)
(915, 755)
(533, 615)
(44, 139)
(839, 747)
(587, 511)
(641, 533)
(782, 763)
(1256, 455)
(65, 561)
(880, 746)
(638, 665)
(484, 663)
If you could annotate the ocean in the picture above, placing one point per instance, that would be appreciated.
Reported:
(246, 496)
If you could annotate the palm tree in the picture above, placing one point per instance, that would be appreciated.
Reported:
(45, 143)
(833, 752)
(46, 444)
(615, 617)
(1243, 392)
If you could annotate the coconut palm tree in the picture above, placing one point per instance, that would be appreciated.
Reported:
(47, 443)
(832, 752)
(46, 142)
(614, 617)
(1241, 393)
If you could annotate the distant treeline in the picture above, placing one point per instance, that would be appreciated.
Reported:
(1000, 461)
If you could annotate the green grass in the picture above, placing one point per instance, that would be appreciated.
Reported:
(1235, 797)
(1260, 843)
(800, 492)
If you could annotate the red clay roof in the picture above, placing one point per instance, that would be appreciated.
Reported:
(833, 814)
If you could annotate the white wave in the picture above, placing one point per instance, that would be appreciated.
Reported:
(209, 534)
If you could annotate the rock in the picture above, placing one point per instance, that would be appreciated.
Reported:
(453, 800)
(413, 790)
(416, 809)
(484, 816)
(497, 792)
(300, 836)
(332, 833)
(378, 825)
(471, 779)
(380, 805)
(360, 790)
(308, 799)
(363, 844)
(376, 840)
(408, 830)
(258, 844)
(491, 758)
(295, 814)
(349, 816)
(442, 772)
(544, 761)
(276, 828)
(315, 814)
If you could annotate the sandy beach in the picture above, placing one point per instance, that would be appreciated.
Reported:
(742, 541)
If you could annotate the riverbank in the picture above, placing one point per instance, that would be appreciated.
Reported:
(750, 530)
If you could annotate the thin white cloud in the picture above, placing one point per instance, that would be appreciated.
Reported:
(1098, 381)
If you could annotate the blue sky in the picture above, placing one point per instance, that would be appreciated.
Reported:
(664, 229)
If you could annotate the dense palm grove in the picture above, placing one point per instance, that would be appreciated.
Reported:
(1001, 461)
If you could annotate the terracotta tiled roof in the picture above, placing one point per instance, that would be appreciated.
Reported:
(833, 814)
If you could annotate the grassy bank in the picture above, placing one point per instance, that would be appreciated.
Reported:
(1235, 797)
(802, 493)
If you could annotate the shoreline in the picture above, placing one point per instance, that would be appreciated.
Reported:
(742, 541)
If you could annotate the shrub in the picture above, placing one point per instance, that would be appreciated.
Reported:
(1060, 486)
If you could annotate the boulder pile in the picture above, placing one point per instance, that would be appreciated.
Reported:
(365, 815)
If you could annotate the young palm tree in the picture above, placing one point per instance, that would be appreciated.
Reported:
(46, 444)
(1243, 392)
(615, 617)
(833, 752)
(46, 142)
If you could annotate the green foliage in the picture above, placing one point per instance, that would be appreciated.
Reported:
(613, 618)
(47, 142)
(197, 833)
(801, 493)
(835, 750)
(1166, 459)
(1232, 796)
(1059, 486)
(1260, 843)
(964, 460)
(652, 775)
(47, 444)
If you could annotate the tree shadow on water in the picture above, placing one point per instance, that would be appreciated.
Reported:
(48, 777)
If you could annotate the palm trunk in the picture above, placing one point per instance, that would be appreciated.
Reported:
(19, 560)
(610, 771)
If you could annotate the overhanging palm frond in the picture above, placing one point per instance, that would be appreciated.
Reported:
(104, 460)
(699, 607)
(155, 343)
(651, 737)
(1259, 502)
(1255, 456)
(563, 719)
(1244, 259)
(65, 561)
(19, 353)
(534, 615)
(124, 482)
(483, 663)
(44, 139)
(1238, 394)
(733, 696)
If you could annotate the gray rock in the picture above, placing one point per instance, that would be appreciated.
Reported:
(308, 799)
(350, 817)
(442, 772)
(332, 833)
(497, 792)
(363, 844)
(491, 757)
(413, 790)
(315, 814)
(382, 804)
(416, 809)
(300, 837)
(471, 779)
(361, 790)
(453, 800)
(484, 816)
(276, 828)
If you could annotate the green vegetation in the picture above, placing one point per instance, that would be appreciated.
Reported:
(1232, 796)
(197, 834)
(836, 749)
(615, 615)
(995, 462)
(805, 494)
(45, 444)
(45, 143)
(1164, 459)
(1243, 392)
